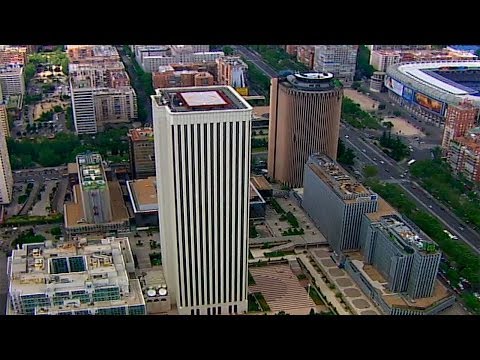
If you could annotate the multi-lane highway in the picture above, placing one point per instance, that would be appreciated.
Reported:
(389, 170)
(257, 60)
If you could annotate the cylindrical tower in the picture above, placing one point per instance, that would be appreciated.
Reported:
(304, 119)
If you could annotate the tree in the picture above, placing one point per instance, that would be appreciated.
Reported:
(355, 85)
(370, 171)
(57, 108)
(388, 124)
(363, 62)
(228, 50)
(312, 311)
(345, 155)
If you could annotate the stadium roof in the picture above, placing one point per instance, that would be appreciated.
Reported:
(412, 75)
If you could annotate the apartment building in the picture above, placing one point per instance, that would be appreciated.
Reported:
(340, 60)
(142, 152)
(12, 80)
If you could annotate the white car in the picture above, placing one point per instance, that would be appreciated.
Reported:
(346, 136)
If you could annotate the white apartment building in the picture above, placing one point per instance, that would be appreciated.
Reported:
(202, 154)
(341, 60)
(6, 177)
(381, 59)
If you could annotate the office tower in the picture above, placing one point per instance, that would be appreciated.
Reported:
(202, 155)
(4, 128)
(11, 80)
(304, 119)
(408, 260)
(336, 202)
(6, 177)
(98, 204)
(84, 277)
(341, 60)
(142, 152)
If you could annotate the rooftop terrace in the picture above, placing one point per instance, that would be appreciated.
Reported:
(404, 236)
(91, 172)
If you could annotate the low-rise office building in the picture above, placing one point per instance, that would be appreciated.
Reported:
(397, 266)
(97, 205)
(143, 197)
(336, 202)
(82, 277)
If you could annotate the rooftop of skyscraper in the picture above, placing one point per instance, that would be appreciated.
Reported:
(208, 98)
(337, 178)
(308, 81)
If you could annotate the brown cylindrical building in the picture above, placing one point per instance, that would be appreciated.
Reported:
(304, 119)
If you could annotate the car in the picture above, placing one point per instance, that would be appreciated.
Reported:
(461, 228)
(382, 162)
(430, 206)
(414, 187)
(386, 170)
(402, 176)
(374, 159)
(363, 150)
(346, 136)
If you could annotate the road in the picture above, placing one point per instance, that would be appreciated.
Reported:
(257, 60)
(142, 96)
(451, 222)
(369, 154)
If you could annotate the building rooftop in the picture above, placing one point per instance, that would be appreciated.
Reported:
(91, 172)
(141, 134)
(255, 197)
(36, 267)
(260, 182)
(75, 216)
(347, 187)
(208, 98)
(384, 208)
(309, 81)
(405, 236)
(143, 194)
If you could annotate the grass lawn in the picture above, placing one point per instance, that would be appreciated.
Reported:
(262, 302)
(252, 304)
(259, 149)
(315, 296)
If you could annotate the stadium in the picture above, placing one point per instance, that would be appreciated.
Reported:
(427, 89)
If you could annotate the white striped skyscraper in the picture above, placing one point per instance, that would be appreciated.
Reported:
(202, 155)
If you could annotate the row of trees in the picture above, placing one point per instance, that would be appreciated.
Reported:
(363, 63)
(466, 263)
(258, 80)
(259, 143)
(437, 177)
(63, 149)
(345, 155)
(355, 116)
(395, 147)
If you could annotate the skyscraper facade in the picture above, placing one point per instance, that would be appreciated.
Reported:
(304, 119)
(202, 155)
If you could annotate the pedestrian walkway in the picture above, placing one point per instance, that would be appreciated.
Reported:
(324, 289)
